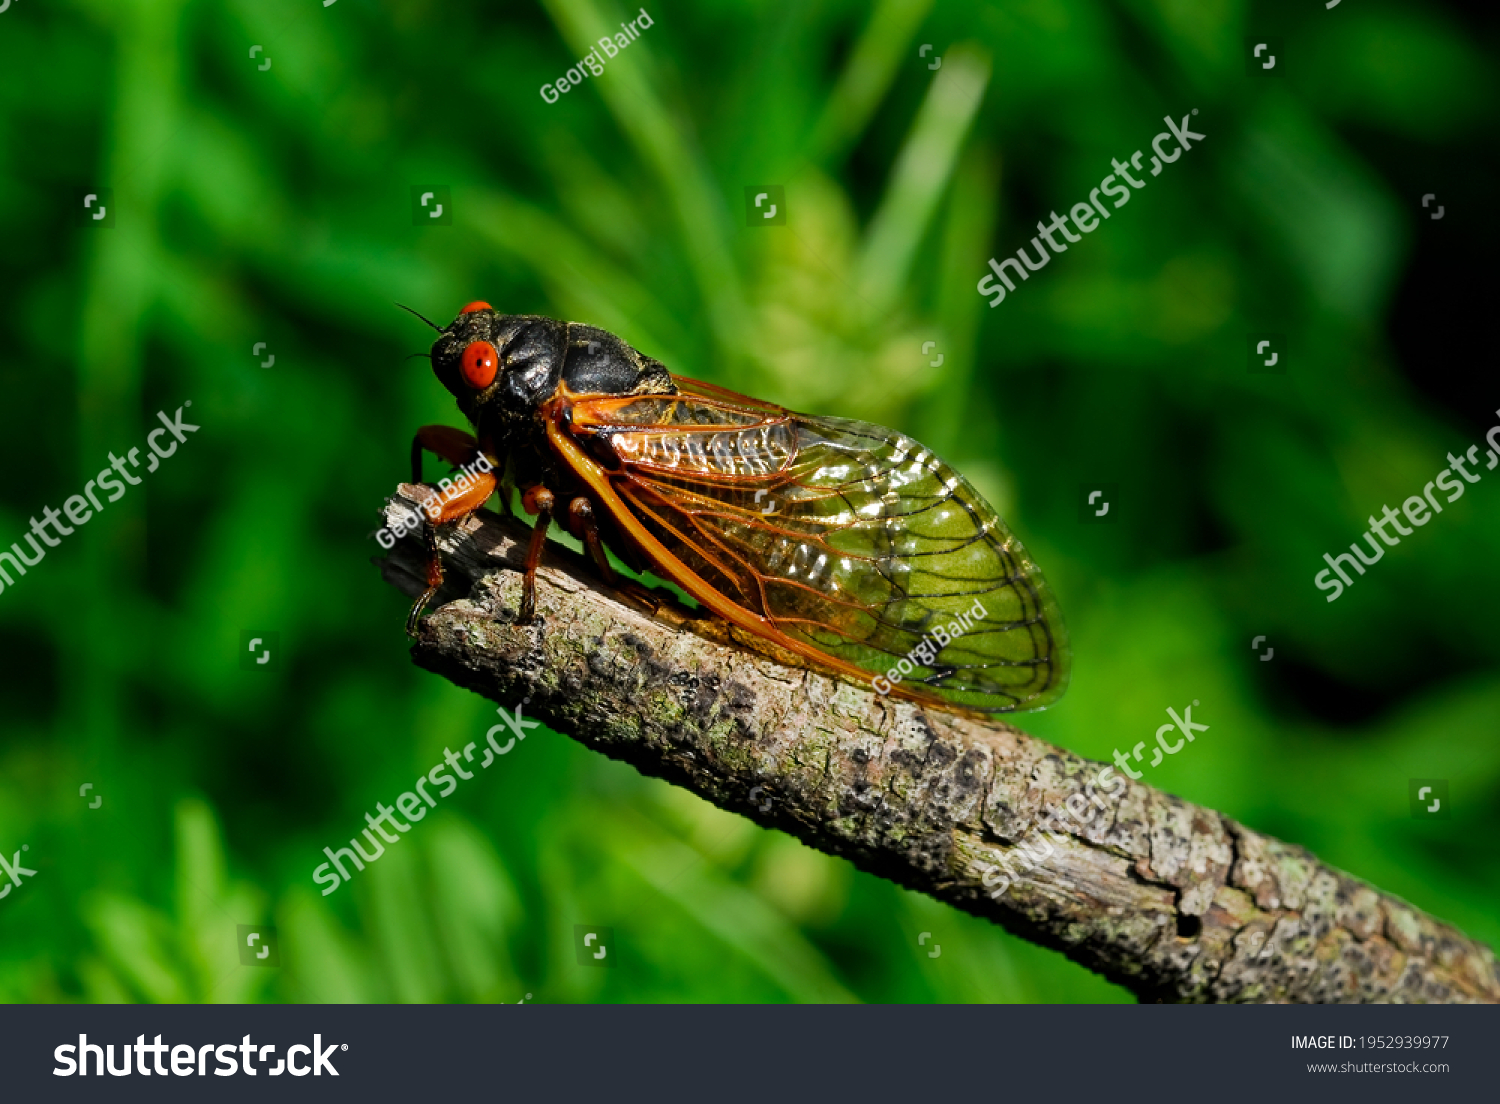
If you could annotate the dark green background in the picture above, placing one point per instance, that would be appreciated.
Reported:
(275, 205)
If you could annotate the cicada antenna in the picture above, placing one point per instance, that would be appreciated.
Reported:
(423, 317)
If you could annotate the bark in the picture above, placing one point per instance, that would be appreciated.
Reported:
(1173, 901)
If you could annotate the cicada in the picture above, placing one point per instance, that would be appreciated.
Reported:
(843, 543)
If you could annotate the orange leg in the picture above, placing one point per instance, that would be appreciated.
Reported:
(581, 517)
(582, 525)
(537, 500)
(453, 445)
(453, 504)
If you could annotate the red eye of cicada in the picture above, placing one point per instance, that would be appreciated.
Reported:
(479, 364)
(477, 304)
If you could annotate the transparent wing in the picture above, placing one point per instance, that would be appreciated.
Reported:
(841, 535)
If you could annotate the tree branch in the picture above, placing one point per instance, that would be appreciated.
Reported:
(1171, 900)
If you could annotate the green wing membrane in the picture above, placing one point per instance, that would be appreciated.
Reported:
(850, 537)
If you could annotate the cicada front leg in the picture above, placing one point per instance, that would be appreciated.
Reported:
(454, 504)
(453, 445)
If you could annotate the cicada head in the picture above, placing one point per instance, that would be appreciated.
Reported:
(500, 367)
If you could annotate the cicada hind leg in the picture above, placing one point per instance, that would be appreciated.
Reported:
(455, 504)
(583, 523)
(583, 526)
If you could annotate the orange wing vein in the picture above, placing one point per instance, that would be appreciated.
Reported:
(845, 542)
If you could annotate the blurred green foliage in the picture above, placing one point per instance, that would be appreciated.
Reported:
(274, 204)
